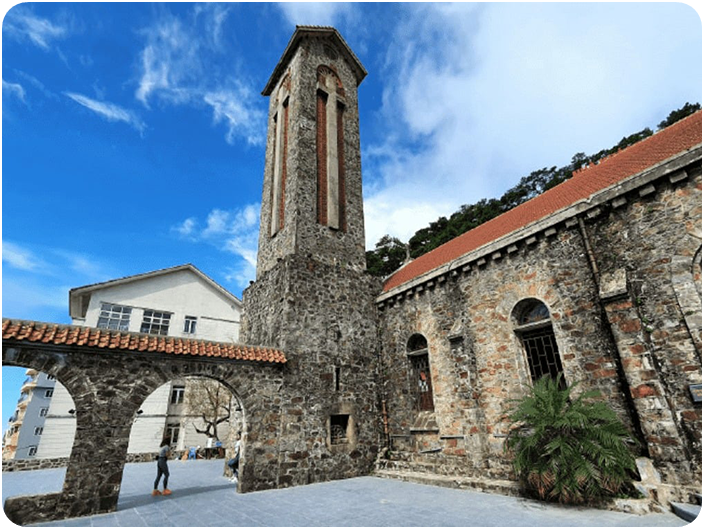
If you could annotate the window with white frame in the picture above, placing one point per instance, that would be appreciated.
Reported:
(31, 450)
(43, 412)
(189, 324)
(38, 430)
(114, 317)
(172, 433)
(155, 322)
(177, 394)
(49, 393)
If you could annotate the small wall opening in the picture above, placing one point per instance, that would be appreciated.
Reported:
(339, 429)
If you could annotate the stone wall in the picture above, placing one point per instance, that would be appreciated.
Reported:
(301, 232)
(109, 388)
(325, 319)
(609, 277)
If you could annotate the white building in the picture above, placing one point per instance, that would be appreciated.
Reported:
(181, 302)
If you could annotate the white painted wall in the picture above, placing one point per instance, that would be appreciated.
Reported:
(59, 426)
(182, 293)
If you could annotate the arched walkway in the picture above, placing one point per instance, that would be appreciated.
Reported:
(109, 375)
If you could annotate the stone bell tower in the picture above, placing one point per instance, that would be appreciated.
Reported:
(312, 200)
(312, 297)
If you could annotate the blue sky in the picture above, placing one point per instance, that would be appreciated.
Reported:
(133, 134)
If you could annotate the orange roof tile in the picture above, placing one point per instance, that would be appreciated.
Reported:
(679, 137)
(53, 333)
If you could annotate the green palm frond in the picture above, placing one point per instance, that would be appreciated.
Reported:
(568, 449)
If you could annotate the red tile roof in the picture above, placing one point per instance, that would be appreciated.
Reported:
(632, 160)
(52, 333)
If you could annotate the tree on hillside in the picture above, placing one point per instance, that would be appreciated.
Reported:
(678, 114)
(389, 253)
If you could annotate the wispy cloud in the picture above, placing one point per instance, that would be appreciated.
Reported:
(20, 257)
(229, 106)
(173, 71)
(109, 111)
(466, 114)
(13, 89)
(315, 13)
(36, 279)
(21, 25)
(235, 232)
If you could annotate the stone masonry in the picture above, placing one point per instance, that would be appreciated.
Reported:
(412, 378)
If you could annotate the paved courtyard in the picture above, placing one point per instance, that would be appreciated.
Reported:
(202, 497)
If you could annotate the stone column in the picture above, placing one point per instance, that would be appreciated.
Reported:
(664, 440)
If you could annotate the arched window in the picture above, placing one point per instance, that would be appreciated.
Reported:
(534, 328)
(421, 384)
(278, 190)
(330, 149)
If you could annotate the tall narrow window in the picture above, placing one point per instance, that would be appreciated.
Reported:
(189, 324)
(278, 188)
(421, 383)
(172, 432)
(177, 393)
(534, 328)
(330, 149)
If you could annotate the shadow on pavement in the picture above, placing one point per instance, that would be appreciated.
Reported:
(137, 500)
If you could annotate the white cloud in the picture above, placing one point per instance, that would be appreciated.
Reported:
(19, 257)
(22, 25)
(37, 287)
(14, 89)
(173, 71)
(483, 94)
(314, 13)
(109, 111)
(235, 232)
(230, 106)
(186, 228)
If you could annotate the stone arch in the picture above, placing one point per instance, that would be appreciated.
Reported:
(24, 445)
(108, 387)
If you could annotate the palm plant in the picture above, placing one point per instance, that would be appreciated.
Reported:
(568, 450)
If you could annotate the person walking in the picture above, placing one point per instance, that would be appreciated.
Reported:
(162, 468)
(234, 463)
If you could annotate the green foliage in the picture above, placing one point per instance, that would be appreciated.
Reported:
(678, 114)
(571, 450)
(388, 254)
(386, 257)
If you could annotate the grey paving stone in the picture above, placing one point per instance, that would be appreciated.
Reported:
(203, 497)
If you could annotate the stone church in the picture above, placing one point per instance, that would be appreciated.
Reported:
(343, 374)
(598, 279)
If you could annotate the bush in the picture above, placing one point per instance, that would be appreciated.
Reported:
(569, 450)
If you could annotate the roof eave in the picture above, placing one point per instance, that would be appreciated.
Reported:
(317, 31)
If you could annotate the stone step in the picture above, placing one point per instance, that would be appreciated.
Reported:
(686, 511)
(508, 488)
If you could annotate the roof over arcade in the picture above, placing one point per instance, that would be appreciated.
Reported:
(314, 31)
(19, 331)
(670, 142)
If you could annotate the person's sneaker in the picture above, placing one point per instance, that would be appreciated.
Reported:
(156, 493)
(166, 492)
